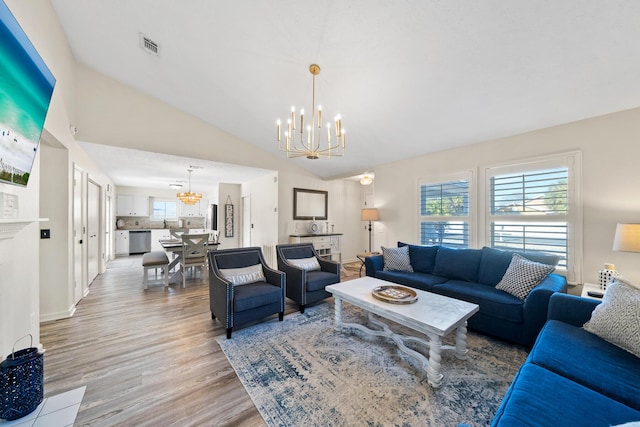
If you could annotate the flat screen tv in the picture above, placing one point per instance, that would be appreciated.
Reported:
(26, 86)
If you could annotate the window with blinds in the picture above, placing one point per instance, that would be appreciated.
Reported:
(444, 213)
(528, 211)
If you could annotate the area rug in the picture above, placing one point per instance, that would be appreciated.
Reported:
(301, 372)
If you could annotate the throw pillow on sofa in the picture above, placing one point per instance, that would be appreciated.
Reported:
(396, 259)
(617, 318)
(523, 275)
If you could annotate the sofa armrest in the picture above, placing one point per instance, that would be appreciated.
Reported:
(219, 303)
(329, 266)
(536, 305)
(571, 309)
(274, 277)
(372, 264)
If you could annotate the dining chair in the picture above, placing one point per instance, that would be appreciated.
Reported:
(175, 233)
(194, 253)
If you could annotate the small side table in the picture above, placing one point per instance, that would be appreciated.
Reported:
(591, 287)
(362, 257)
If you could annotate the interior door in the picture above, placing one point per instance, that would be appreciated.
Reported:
(107, 229)
(77, 234)
(93, 231)
(246, 221)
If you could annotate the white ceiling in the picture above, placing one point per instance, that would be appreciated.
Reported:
(136, 168)
(408, 77)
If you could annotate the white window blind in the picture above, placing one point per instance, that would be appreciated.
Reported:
(534, 207)
(444, 213)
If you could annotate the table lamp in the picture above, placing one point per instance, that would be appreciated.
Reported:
(626, 239)
(370, 214)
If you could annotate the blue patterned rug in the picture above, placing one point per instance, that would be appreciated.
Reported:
(300, 372)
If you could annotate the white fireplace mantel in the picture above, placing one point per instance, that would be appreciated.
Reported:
(10, 227)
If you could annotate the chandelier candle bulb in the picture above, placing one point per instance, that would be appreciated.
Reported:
(293, 117)
(278, 125)
(301, 120)
(319, 116)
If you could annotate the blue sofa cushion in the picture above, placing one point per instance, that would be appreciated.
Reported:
(460, 264)
(319, 279)
(423, 258)
(539, 397)
(253, 295)
(494, 263)
(583, 357)
(422, 281)
(492, 302)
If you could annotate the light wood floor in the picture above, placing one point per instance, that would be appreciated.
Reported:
(147, 357)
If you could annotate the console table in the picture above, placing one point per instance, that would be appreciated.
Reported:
(326, 244)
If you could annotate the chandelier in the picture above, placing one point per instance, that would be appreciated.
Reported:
(189, 198)
(308, 142)
(366, 180)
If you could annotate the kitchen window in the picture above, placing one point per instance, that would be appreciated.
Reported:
(164, 210)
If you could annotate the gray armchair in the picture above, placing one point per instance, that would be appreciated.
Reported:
(242, 287)
(306, 285)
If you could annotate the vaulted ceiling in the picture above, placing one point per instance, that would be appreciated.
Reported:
(408, 77)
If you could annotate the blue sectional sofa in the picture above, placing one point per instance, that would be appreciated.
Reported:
(471, 275)
(572, 377)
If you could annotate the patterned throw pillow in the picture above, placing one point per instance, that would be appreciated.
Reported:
(396, 259)
(522, 276)
(242, 276)
(308, 264)
(617, 318)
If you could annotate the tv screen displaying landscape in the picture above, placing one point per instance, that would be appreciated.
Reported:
(26, 86)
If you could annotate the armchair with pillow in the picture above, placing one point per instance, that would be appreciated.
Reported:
(242, 287)
(307, 273)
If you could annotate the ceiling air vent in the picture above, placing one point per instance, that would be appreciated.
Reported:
(149, 45)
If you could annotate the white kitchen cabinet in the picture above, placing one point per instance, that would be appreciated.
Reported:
(122, 242)
(127, 205)
(156, 236)
(191, 210)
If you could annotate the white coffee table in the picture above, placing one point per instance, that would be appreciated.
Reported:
(433, 315)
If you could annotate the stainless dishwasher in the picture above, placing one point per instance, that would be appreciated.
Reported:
(139, 241)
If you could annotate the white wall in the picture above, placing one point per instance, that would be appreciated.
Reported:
(610, 152)
(344, 210)
(22, 264)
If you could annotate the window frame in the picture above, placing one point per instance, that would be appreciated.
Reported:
(163, 200)
(470, 218)
(573, 218)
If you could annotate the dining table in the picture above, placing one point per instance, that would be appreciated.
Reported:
(174, 247)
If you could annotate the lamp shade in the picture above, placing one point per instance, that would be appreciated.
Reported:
(627, 238)
(370, 214)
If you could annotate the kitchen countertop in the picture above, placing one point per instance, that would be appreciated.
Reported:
(314, 234)
(149, 229)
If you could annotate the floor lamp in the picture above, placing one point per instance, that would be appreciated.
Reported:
(370, 214)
